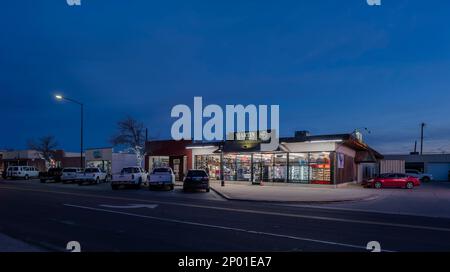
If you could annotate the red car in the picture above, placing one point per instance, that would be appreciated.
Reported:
(394, 180)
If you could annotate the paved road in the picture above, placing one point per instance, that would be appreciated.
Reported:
(50, 215)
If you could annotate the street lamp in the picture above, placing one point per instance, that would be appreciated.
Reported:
(60, 98)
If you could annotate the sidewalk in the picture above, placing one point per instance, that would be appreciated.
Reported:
(8, 244)
(429, 200)
(292, 194)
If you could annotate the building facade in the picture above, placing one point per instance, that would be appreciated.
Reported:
(169, 153)
(303, 159)
(436, 164)
(108, 160)
(60, 158)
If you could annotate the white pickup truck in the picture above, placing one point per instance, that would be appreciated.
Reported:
(92, 175)
(161, 177)
(417, 174)
(129, 177)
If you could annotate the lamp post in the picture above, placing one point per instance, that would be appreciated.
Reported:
(60, 97)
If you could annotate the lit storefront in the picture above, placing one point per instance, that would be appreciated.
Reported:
(304, 159)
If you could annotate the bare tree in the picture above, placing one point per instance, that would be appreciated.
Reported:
(44, 147)
(131, 134)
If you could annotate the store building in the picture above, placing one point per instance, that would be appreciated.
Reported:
(60, 158)
(23, 158)
(304, 159)
(108, 160)
(169, 153)
(66, 159)
(436, 164)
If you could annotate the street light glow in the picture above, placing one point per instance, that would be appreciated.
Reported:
(59, 97)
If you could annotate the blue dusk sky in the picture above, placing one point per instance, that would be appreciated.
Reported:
(331, 65)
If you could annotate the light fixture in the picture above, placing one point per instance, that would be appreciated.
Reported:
(326, 141)
(200, 147)
(59, 97)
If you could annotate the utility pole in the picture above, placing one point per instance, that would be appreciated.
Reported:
(421, 138)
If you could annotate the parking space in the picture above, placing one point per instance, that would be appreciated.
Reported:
(106, 187)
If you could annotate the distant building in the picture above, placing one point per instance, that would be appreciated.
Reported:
(32, 158)
(436, 164)
(22, 158)
(108, 160)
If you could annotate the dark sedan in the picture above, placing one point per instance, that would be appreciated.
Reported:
(196, 180)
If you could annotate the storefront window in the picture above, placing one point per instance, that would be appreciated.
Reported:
(229, 167)
(267, 167)
(209, 163)
(105, 166)
(280, 168)
(314, 168)
(257, 168)
(243, 167)
(158, 161)
(320, 168)
(298, 167)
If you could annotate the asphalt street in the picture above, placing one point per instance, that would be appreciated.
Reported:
(49, 216)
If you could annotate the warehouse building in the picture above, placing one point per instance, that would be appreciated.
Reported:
(437, 165)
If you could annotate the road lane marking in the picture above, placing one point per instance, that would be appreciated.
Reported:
(323, 218)
(131, 206)
(223, 227)
(333, 208)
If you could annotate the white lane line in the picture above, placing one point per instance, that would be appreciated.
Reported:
(335, 219)
(362, 210)
(224, 228)
(131, 206)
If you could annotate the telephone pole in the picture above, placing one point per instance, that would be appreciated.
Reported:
(421, 138)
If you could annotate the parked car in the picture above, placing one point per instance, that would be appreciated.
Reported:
(22, 172)
(129, 177)
(394, 180)
(92, 175)
(53, 174)
(424, 177)
(161, 177)
(196, 179)
(71, 174)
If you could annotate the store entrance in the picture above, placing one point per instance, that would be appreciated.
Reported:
(177, 165)
(257, 172)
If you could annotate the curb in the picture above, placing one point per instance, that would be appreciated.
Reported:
(226, 197)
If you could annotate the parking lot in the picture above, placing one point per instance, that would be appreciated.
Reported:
(106, 187)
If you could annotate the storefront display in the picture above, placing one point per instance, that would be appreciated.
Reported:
(298, 168)
(280, 168)
(158, 161)
(320, 168)
(243, 167)
(229, 167)
(209, 163)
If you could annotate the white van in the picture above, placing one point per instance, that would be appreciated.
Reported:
(23, 172)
